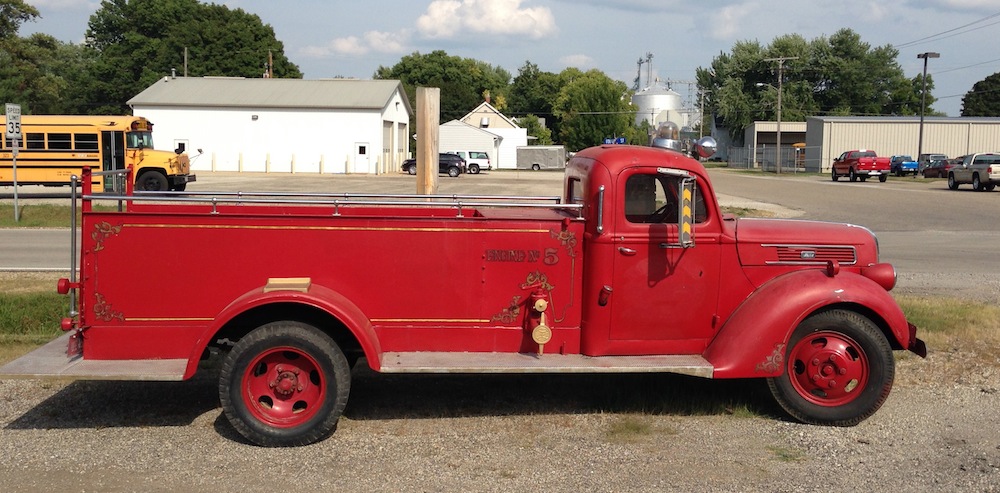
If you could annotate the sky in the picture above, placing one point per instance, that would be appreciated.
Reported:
(331, 38)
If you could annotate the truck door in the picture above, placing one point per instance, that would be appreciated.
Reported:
(662, 291)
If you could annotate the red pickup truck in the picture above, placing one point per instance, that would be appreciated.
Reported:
(860, 164)
(634, 269)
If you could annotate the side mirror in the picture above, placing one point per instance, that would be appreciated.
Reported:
(705, 147)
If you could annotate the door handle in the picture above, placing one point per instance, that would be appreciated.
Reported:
(626, 251)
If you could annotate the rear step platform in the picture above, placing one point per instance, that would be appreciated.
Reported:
(51, 361)
(434, 362)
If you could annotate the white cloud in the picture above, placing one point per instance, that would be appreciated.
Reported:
(42, 5)
(377, 41)
(447, 19)
(728, 20)
(578, 61)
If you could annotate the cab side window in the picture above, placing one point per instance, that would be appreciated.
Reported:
(653, 199)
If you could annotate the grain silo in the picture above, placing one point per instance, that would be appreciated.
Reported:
(658, 104)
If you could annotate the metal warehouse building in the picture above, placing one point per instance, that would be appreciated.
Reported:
(828, 137)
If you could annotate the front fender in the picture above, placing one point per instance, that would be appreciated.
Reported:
(752, 342)
(321, 297)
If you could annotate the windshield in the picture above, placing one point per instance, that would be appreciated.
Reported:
(139, 140)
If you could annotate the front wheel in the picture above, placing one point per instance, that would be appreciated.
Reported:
(284, 384)
(152, 181)
(453, 172)
(952, 184)
(535, 167)
(833, 174)
(839, 370)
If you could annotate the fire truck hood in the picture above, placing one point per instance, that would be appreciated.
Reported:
(786, 241)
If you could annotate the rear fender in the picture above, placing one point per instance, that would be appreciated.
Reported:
(317, 296)
(753, 341)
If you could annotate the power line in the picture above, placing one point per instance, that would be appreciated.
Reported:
(927, 38)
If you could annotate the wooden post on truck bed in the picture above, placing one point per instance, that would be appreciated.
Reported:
(428, 118)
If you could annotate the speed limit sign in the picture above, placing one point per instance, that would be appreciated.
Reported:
(13, 121)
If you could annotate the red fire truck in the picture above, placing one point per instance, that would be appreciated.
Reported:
(633, 269)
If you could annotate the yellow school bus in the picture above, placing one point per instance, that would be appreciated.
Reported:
(55, 147)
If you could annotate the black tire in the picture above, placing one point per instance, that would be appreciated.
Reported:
(179, 188)
(863, 178)
(976, 184)
(952, 184)
(535, 167)
(411, 169)
(474, 169)
(453, 172)
(833, 174)
(851, 175)
(883, 177)
(152, 181)
(990, 187)
(264, 395)
(839, 370)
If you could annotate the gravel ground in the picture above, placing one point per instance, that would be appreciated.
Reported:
(576, 433)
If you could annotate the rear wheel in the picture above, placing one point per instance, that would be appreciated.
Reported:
(535, 167)
(851, 175)
(839, 370)
(882, 178)
(152, 181)
(474, 169)
(411, 169)
(990, 187)
(976, 184)
(284, 384)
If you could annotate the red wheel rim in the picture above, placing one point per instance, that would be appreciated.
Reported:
(284, 387)
(828, 368)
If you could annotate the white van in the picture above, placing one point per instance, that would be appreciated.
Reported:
(476, 160)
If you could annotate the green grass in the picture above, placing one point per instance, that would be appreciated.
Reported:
(31, 317)
(41, 215)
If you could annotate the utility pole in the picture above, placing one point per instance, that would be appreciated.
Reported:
(923, 100)
(701, 114)
(781, 65)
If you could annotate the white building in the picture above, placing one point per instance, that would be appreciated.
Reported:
(280, 125)
(507, 135)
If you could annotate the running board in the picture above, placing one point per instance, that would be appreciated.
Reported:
(448, 362)
(51, 362)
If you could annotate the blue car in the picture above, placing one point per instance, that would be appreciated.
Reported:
(902, 165)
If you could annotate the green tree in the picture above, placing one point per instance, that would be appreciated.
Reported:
(13, 13)
(839, 75)
(592, 106)
(136, 42)
(463, 81)
(42, 74)
(533, 92)
(984, 98)
(534, 127)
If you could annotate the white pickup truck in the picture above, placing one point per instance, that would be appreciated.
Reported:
(982, 170)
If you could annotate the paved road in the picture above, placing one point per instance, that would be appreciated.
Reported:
(924, 229)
